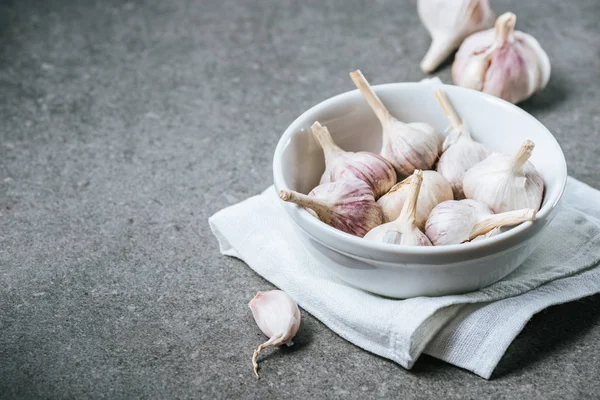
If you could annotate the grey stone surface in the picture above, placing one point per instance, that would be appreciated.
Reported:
(125, 125)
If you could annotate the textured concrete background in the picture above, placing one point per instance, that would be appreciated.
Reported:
(125, 125)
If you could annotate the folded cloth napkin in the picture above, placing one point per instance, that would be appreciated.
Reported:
(470, 330)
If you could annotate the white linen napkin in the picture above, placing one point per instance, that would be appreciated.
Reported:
(471, 330)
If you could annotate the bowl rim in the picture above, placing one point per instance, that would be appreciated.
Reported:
(395, 249)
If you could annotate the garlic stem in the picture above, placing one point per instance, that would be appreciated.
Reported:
(272, 342)
(409, 209)
(522, 155)
(323, 137)
(380, 110)
(448, 109)
(505, 26)
(438, 51)
(502, 219)
(320, 207)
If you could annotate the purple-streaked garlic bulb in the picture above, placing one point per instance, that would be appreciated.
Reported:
(375, 170)
(506, 183)
(278, 317)
(502, 62)
(449, 22)
(460, 151)
(348, 205)
(407, 146)
(456, 222)
(403, 230)
(433, 190)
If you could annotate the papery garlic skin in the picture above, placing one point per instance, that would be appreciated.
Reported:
(449, 22)
(502, 62)
(371, 168)
(278, 317)
(348, 205)
(506, 183)
(403, 230)
(408, 146)
(434, 190)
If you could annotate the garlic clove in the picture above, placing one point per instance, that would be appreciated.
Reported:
(348, 205)
(449, 22)
(403, 230)
(461, 152)
(375, 170)
(407, 146)
(434, 190)
(278, 317)
(502, 62)
(455, 222)
(504, 182)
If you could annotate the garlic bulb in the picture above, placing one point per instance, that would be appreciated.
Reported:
(506, 183)
(407, 146)
(434, 189)
(339, 164)
(502, 62)
(277, 316)
(404, 229)
(348, 205)
(460, 151)
(449, 22)
(455, 222)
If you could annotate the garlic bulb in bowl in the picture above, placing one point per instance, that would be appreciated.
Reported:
(502, 62)
(449, 22)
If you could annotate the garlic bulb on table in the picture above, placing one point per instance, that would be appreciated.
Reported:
(506, 183)
(404, 229)
(449, 22)
(502, 62)
(434, 189)
(339, 164)
(407, 146)
(460, 151)
(278, 316)
(348, 205)
(455, 222)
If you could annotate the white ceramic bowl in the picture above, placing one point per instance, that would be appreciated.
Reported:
(405, 271)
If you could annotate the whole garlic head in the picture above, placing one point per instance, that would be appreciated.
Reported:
(372, 168)
(348, 205)
(506, 183)
(449, 22)
(404, 229)
(434, 190)
(407, 146)
(502, 62)
(456, 222)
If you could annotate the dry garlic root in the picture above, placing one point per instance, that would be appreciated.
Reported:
(434, 190)
(455, 222)
(404, 229)
(449, 22)
(348, 205)
(506, 183)
(407, 146)
(277, 316)
(371, 168)
(460, 151)
(502, 62)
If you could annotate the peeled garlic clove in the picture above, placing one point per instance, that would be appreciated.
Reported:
(375, 170)
(502, 62)
(455, 222)
(506, 183)
(277, 316)
(449, 22)
(407, 146)
(434, 189)
(461, 152)
(347, 205)
(404, 229)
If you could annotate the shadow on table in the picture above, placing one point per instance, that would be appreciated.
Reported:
(555, 93)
